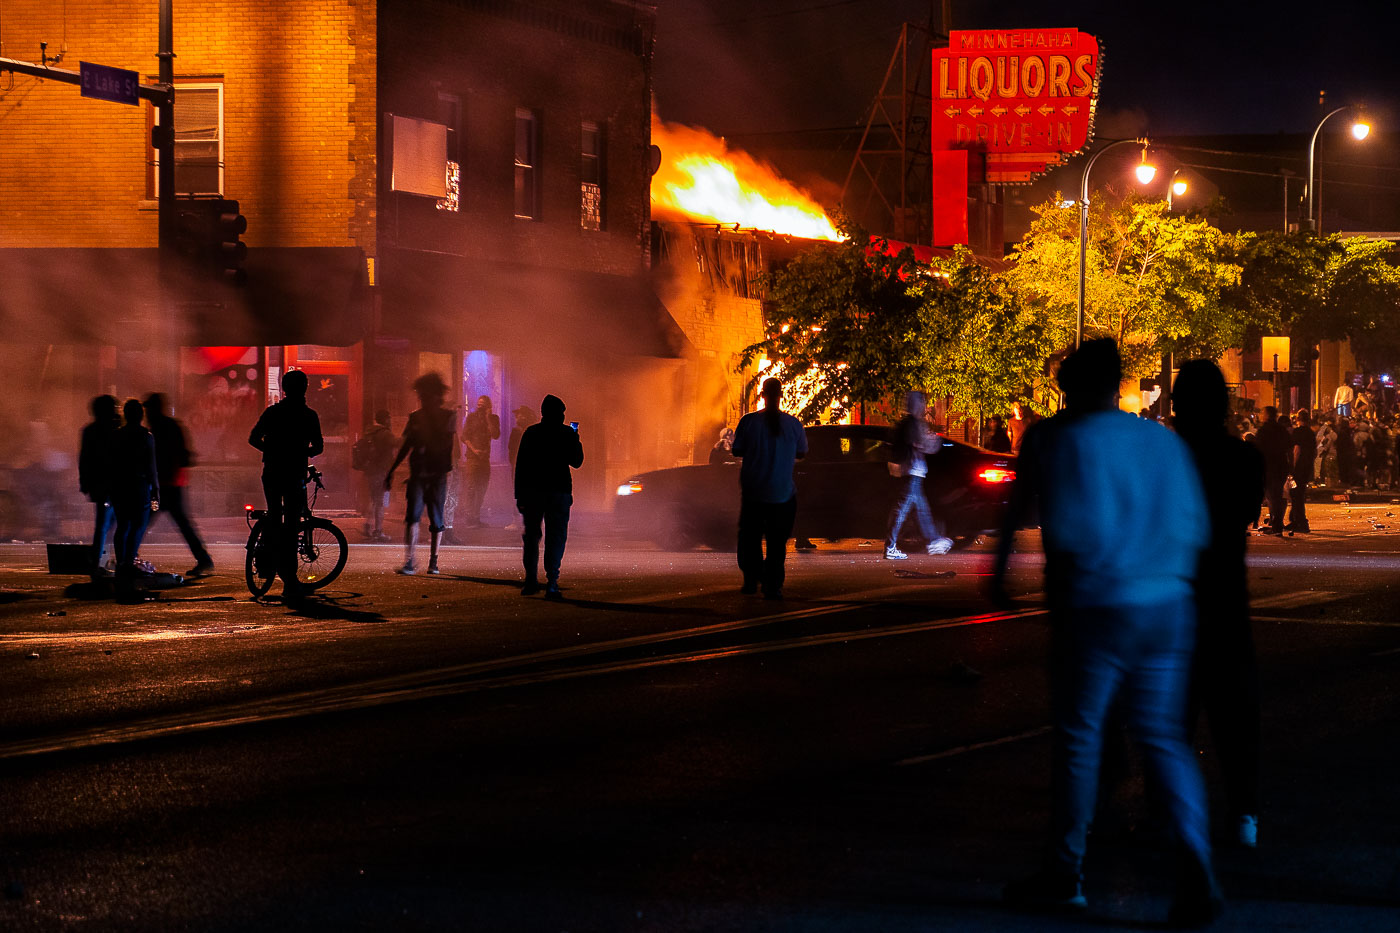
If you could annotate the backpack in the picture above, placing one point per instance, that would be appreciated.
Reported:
(361, 452)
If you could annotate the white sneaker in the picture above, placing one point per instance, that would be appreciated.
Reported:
(1247, 832)
(941, 546)
(407, 569)
(894, 553)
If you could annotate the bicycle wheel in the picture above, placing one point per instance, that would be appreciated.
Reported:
(259, 564)
(321, 552)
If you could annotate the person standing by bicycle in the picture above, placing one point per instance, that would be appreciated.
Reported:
(289, 435)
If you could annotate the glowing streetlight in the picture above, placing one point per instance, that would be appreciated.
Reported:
(1175, 188)
(1145, 174)
(1360, 130)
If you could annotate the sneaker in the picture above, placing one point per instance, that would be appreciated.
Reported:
(1247, 831)
(894, 553)
(530, 588)
(940, 546)
(749, 589)
(202, 569)
(407, 570)
(773, 594)
(432, 567)
(1047, 890)
(553, 592)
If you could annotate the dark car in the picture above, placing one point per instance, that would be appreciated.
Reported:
(844, 490)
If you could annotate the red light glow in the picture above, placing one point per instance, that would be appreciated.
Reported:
(996, 475)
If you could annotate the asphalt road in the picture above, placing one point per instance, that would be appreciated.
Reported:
(658, 752)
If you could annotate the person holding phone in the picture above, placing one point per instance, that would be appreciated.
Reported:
(544, 492)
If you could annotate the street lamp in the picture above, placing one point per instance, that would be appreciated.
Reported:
(1145, 173)
(1175, 188)
(1360, 130)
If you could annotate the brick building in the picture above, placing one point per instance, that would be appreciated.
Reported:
(304, 113)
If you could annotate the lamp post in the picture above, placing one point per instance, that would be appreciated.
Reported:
(1359, 129)
(1145, 173)
(1174, 187)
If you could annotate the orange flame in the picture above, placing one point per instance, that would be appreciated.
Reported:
(701, 178)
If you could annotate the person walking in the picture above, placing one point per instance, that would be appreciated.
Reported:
(769, 442)
(1225, 681)
(135, 489)
(95, 474)
(429, 443)
(998, 441)
(289, 434)
(1301, 457)
(914, 443)
(1275, 444)
(480, 428)
(374, 451)
(544, 488)
(173, 460)
(1122, 618)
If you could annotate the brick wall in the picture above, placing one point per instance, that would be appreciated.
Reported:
(299, 120)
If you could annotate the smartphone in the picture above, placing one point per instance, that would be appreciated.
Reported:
(574, 425)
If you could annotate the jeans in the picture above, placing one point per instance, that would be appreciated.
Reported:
(103, 517)
(1146, 653)
(1273, 497)
(1226, 687)
(1298, 507)
(760, 522)
(911, 496)
(133, 509)
(553, 511)
(378, 498)
(286, 501)
(172, 502)
(478, 477)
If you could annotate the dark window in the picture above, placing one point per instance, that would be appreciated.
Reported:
(591, 178)
(527, 179)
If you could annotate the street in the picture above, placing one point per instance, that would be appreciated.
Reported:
(656, 752)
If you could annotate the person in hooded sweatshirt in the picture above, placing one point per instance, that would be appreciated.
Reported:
(914, 443)
(544, 489)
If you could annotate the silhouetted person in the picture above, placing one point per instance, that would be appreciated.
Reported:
(914, 443)
(1302, 454)
(1346, 453)
(1226, 681)
(289, 434)
(1274, 443)
(173, 458)
(480, 428)
(95, 473)
(1122, 614)
(544, 490)
(723, 451)
(135, 490)
(378, 453)
(524, 417)
(769, 442)
(430, 444)
(998, 441)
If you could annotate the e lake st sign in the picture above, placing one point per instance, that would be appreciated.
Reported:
(112, 84)
(1023, 97)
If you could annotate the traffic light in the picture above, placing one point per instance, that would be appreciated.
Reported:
(207, 236)
(229, 251)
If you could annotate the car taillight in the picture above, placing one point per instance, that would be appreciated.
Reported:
(630, 488)
(996, 475)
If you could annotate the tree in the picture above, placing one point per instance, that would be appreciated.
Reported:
(1155, 282)
(988, 350)
(847, 320)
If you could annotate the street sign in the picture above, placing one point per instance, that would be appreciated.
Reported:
(104, 82)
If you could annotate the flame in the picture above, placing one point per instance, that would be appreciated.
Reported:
(701, 178)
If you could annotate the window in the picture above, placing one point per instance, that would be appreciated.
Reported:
(527, 180)
(591, 178)
(450, 115)
(199, 141)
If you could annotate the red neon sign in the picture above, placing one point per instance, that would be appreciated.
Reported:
(1024, 97)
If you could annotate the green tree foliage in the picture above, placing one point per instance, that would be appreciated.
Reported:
(1154, 281)
(1363, 290)
(848, 321)
(988, 349)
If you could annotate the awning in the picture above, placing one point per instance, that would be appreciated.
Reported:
(451, 302)
(93, 296)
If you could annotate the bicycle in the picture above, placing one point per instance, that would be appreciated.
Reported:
(321, 546)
